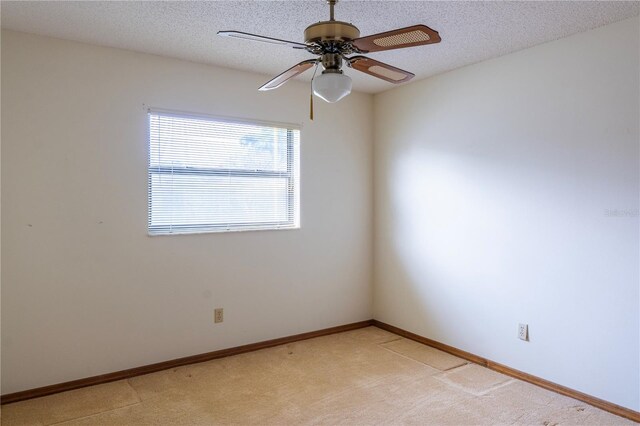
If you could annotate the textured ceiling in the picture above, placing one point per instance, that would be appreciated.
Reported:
(470, 31)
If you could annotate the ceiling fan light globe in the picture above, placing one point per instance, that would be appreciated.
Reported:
(331, 87)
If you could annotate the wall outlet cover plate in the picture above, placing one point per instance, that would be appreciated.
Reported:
(523, 332)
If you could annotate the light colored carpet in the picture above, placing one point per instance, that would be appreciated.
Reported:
(361, 377)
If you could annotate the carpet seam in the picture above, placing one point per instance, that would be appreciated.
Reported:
(91, 415)
(389, 341)
(424, 363)
(414, 360)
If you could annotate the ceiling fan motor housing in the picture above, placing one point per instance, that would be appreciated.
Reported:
(332, 62)
(327, 31)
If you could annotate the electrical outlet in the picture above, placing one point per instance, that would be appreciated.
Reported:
(523, 332)
(218, 315)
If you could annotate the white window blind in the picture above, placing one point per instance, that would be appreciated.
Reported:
(211, 175)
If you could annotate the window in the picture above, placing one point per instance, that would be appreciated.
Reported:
(210, 175)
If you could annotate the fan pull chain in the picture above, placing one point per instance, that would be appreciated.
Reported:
(311, 98)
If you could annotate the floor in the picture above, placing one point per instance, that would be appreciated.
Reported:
(361, 377)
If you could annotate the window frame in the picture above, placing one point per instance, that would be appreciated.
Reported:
(290, 174)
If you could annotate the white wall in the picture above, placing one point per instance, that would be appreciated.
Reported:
(492, 184)
(85, 291)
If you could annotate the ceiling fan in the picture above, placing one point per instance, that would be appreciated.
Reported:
(333, 41)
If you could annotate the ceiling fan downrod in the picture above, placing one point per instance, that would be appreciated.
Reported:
(331, 35)
(332, 4)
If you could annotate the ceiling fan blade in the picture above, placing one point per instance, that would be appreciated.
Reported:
(264, 39)
(380, 69)
(416, 35)
(281, 79)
